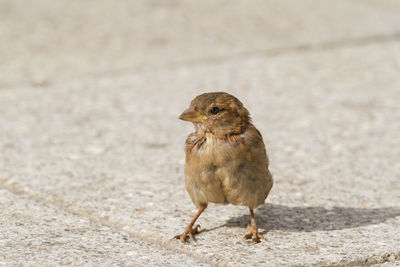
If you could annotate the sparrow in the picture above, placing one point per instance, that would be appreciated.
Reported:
(226, 161)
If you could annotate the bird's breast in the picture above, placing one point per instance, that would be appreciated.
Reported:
(233, 170)
(216, 152)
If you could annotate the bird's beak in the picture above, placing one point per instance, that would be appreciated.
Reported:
(192, 115)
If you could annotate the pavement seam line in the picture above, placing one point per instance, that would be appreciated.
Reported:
(268, 53)
(55, 201)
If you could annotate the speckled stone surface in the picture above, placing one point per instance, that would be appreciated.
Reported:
(36, 234)
(104, 153)
(44, 41)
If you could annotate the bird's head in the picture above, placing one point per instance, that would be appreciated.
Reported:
(218, 113)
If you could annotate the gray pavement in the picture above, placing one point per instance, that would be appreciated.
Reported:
(91, 162)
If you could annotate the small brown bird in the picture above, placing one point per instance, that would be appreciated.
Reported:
(226, 161)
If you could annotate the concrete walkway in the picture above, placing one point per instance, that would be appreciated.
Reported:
(91, 162)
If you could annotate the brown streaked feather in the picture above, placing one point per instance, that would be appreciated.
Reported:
(226, 159)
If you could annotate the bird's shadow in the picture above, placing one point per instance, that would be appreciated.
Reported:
(309, 219)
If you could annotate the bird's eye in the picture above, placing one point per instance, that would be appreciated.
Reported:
(214, 110)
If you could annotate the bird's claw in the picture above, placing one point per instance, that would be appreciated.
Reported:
(188, 233)
(195, 230)
(254, 235)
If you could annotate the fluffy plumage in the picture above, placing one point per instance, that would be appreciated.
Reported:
(226, 161)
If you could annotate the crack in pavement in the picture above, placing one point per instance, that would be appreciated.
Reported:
(270, 52)
(55, 201)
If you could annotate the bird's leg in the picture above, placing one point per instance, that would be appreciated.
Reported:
(253, 230)
(189, 230)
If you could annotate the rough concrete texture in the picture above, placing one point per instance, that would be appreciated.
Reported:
(74, 39)
(36, 234)
(89, 133)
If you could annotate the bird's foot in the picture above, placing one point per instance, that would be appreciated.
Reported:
(254, 235)
(189, 232)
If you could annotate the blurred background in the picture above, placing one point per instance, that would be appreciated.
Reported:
(90, 92)
(44, 42)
